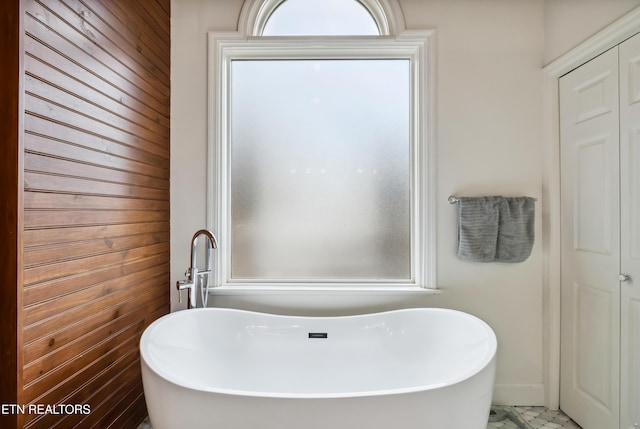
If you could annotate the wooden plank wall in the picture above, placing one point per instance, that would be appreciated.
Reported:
(96, 203)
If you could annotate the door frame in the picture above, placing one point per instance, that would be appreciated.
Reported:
(607, 38)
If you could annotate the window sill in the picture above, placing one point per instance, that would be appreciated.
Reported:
(245, 289)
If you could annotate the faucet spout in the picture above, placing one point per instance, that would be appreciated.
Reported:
(212, 244)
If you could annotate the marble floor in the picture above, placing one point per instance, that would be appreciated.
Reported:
(508, 418)
(530, 418)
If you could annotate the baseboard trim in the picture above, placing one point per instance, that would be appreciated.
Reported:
(519, 394)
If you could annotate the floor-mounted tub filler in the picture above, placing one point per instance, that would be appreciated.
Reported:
(421, 368)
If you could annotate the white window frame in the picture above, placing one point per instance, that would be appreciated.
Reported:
(417, 47)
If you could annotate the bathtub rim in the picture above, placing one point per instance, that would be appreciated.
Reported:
(483, 364)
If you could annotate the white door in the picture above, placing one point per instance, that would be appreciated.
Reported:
(629, 53)
(590, 300)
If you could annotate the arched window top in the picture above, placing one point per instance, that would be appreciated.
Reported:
(320, 18)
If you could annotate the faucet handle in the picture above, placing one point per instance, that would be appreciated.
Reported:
(187, 272)
(181, 284)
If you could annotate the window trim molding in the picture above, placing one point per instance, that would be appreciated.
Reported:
(418, 46)
(386, 13)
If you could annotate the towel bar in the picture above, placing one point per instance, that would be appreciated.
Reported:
(454, 200)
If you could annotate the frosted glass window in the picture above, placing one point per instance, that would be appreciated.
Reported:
(320, 17)
(320, 170)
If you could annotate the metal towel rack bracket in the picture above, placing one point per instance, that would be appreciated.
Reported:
(453, 200)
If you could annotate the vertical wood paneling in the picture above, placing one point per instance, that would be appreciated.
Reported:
(11, 159)
(96, 204)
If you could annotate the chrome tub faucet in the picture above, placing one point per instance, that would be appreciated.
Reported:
(194, 275)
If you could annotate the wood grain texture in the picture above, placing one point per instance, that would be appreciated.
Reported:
(95, 195)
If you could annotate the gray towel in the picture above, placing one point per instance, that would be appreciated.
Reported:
(495, 229)
(478, 220)
(515, 229)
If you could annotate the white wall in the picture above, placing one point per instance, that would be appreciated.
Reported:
(489, 122)
(490, 143)
(190, 22)
(570, 22)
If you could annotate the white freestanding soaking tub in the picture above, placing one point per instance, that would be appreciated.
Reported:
(230, 369)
